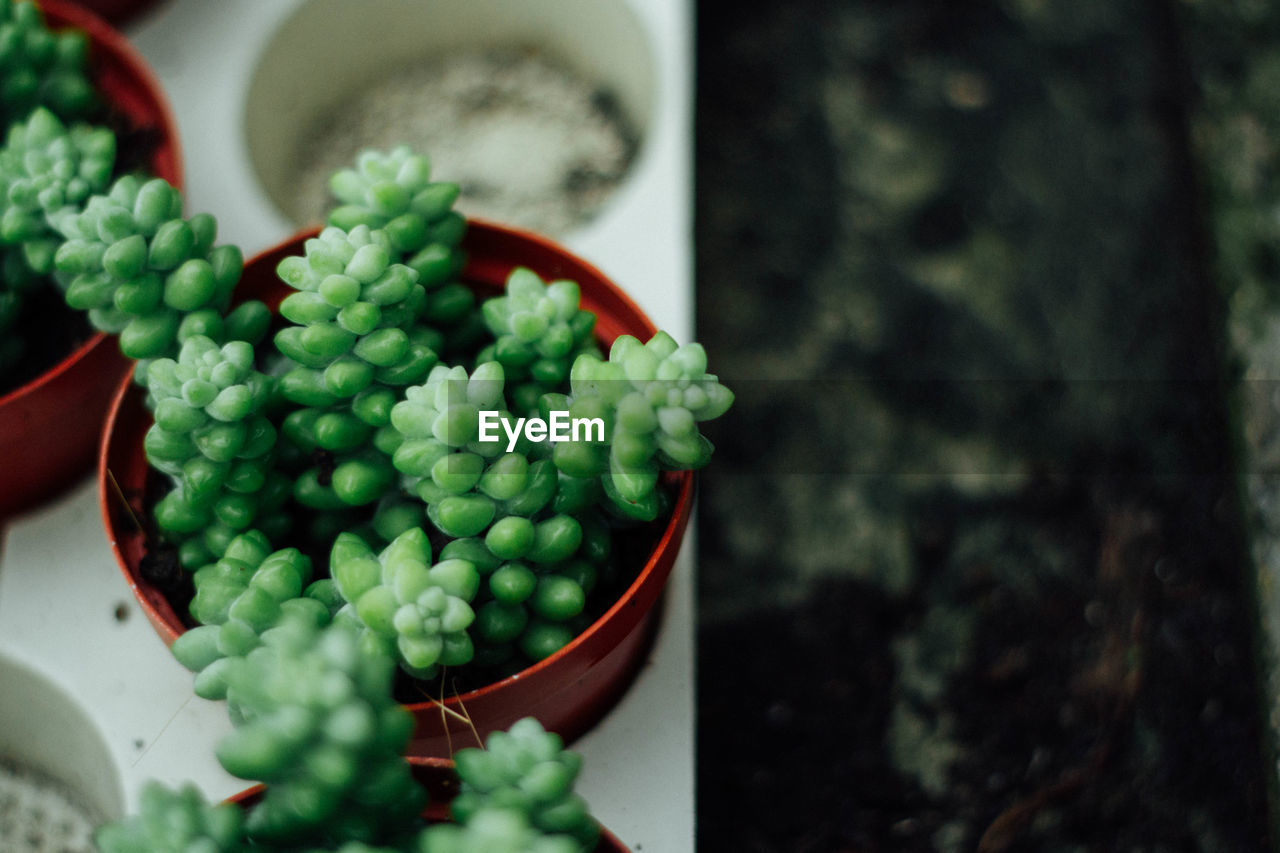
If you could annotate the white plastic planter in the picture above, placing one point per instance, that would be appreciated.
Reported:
(55, 765)
(503, 90)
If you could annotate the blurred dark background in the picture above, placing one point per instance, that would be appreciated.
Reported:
(972, 572)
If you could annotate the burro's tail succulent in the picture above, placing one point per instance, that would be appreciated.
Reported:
(170, 821)
(393, 192)
(538, 329)
(464, 482)
(651, 397)
(243, 594)
(317, 723)
(515, 796)
(144, 272)
(352, 345)
(527, 771)
(41, 67)
(46, 166)
(467, 469)
(211, 436)
(418, 610)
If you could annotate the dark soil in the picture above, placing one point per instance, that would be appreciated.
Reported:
(50, 332)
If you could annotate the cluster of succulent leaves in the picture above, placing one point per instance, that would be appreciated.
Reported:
(46, 167)
(41, 67)
(653, 394)
(170, 821)
(527, 771)
(147, 274)
(51, 157)
(359, 429)
(363, 417)
(120, 251)
(448, 548)
(357, 437)
(334, 496)
(538, 331)
(314, 719)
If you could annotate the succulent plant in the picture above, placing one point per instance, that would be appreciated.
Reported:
(440, 454)
(393, 192)
(142, 271)
(361, 436)
(351, 311)
(316, 722)
(515, 797)
(352, 343)
(359, 426)
(368, 421)
(211, 436)
(420, 611)
(246, 592)
(494, 830)
(525, 770)
(41, 67)
(178, 821)
(653, 394)
(46, 166)
(538, 331)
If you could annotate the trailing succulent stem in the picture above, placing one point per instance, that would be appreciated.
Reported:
(44, 167)
(145, 273)
(420, 611)
(352, 347)
(317, 723)
(211, 436)
(239, 597)
(652, 396)
(538, 331)
(393, 192)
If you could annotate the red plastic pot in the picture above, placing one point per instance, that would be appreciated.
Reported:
(568, 691)
(49, 427)
(438, 776)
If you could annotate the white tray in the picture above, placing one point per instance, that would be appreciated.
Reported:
(66, 611)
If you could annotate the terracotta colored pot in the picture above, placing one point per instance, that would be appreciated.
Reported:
(437, 775)
(49, 427)
(568, 691)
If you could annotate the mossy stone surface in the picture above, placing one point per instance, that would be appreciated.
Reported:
(972, 568)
